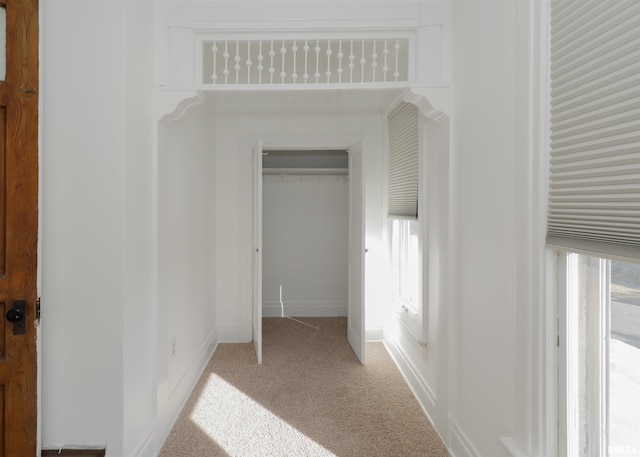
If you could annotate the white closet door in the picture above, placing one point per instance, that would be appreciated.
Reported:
(355, 316)
(257, 250)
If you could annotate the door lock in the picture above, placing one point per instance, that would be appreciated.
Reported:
(17, 315)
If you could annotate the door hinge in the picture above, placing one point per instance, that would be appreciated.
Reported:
(557, 340)
(38, 310)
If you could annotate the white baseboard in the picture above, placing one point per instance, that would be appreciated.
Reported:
(373, 335)
(234, 334)
(305, 309)
(416, 382)
(460, 444)
(180, 394)
(512, 446)
(419, 386)
(145, 447)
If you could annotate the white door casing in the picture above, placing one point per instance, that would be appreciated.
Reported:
(356, 307)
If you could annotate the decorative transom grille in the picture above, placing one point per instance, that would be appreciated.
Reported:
(306, 61)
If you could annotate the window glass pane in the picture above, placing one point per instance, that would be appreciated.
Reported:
(583, 303)
(3, 44)
(603, 344)
(405, 263)
(624, 360)
(395, 258)
(413, 265)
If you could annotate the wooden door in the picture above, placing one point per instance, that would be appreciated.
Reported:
(18, 228)
(355, 312)
(257, 250)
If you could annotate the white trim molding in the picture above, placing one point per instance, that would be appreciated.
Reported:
(460, 444)
(418, 385)
(304, 309)
(535, 420)
(512, 446)
(172, 105)
(434, 103)
(145, 447)
(425, 25)
(182, 391)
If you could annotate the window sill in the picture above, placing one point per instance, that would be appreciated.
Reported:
(412, 324)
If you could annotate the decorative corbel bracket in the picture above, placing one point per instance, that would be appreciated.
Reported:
(172, 104)
(433, 102)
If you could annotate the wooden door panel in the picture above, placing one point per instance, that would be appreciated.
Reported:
(19, 229)
(3, 311)
(2, 421)
(3, 159)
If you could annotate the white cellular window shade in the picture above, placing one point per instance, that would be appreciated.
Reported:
(403, 161)
(594, 187)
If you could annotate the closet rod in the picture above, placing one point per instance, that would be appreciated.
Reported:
(306, 171)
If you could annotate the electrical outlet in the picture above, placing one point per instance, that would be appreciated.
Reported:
(173, 346)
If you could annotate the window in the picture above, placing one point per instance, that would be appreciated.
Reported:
(601, 401)
(406, 212)
(405, 265)
(624, 360)
(593, 217)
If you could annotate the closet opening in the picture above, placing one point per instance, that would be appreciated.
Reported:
(305, 233)
(309, 237)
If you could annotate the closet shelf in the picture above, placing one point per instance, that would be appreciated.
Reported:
(306, 171)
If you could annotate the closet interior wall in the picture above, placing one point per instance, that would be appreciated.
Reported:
(305, 233)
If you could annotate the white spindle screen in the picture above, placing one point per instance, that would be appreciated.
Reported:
(305, 61)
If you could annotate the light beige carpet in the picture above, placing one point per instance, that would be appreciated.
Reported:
(311, 397)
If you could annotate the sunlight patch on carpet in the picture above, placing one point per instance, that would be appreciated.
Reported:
(242, 427)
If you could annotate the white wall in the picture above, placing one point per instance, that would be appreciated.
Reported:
(235, 133)
(493, 239)
(107, 375)
(305, 238)
(496, 320)
(82, 229)
(484, 63)
(139, 309)
(186, 235)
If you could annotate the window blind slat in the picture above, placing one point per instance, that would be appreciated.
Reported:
(625, 168)
(593, 58)
(594, 92)
(613, 145)
(594, 180)
(572, 120)
(617, 134)
(593, 183)
(568, 110)
(588, 19)
(618, 120)
(616, 71)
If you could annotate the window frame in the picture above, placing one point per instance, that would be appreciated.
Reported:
(585, 306)
(596, 331)
(415, 323)
(409, 313)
